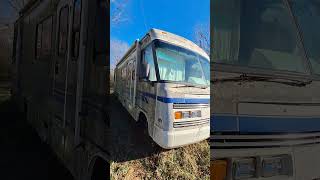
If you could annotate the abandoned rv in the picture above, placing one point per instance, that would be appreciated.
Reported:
(163, 81)
(59, 80)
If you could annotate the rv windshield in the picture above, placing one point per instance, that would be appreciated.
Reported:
(178, 64)
(257, 34)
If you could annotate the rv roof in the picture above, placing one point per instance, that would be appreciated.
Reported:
(175, 39)
(168, 37)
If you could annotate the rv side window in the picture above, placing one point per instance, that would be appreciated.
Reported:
(38, 41)
(124, 73)
(76, 29)
(148, 64)
(44, 37)
(14, 49)
(127, 74)
(63, 30)
(121, 73)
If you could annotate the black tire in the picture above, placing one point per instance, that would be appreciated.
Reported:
(143, 125)
(143, 128)
(101, 170)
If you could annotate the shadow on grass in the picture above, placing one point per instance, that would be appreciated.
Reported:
(127, 140)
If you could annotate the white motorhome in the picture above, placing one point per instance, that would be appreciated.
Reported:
(163, 82)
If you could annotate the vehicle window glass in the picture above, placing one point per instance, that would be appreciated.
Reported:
(258, 34)
(133, 75)
(63, 30)
(181, 65)
(76, 28)
(206, 69)
(77, 14)
(307, 14)
(38, 42)
(124, 73)
(148, 61)
(46, 37)
(15, 44)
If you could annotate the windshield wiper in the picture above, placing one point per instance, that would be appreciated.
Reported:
(246, 78)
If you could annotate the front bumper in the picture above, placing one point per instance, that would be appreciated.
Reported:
(178, 138)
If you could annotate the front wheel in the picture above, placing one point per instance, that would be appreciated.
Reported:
(143, 126)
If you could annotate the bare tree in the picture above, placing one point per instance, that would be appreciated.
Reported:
(202, 36)
(16, 5)
(117, 16)
(117, 49)
(117, 11)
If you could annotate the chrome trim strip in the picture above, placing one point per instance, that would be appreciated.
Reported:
(191, 123)
(260, 141)
(189, 106)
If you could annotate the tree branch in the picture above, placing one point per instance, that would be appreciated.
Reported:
(13, 6)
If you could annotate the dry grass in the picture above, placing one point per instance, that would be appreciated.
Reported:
(189, 162)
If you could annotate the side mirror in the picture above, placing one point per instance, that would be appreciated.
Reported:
(145, 72)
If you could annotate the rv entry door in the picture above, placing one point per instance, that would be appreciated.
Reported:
(61, 69)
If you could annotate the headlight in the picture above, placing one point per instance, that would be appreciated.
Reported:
(187, 114)
(244, 168)
(264, 166)
(276, 165)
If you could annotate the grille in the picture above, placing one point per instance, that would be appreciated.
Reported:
(191, 123)
(190, 106)
(262, 141)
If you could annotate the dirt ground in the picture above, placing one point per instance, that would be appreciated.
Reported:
(22, 154)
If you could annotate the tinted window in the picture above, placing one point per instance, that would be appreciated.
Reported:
(258, 34)
(307, 14)
(77, 14)
(38, 42)
(123, 73)
(46, 37)
(63, 30)
(133, 74)
(15, 44)
(76, 28)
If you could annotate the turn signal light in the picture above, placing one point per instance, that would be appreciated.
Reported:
(187, 114)
(178, 115)
(218, 170)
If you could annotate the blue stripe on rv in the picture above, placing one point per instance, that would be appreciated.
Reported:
(259, 124)
(177, 100)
